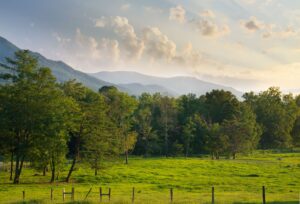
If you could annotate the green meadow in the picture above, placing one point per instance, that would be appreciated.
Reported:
(235, 181)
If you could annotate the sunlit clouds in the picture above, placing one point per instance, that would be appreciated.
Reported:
(245, 44)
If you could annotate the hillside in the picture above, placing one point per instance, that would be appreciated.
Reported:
(61, 70)
(175, 85)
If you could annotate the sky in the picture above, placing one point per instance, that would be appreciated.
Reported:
(245, 44)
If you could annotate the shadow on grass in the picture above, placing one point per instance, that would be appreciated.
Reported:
(275, 202)
(43, 202)
(29, 202)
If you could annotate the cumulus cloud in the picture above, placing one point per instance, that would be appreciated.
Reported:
(131, 42)
(157, 44)
(177, 14)
(110, 49)
(210, 28)
(133, 46)
(101, 22)
(252, 25)
(280, 32)
(207, 13)
(268, 30)
(89, 51)
(189, 56)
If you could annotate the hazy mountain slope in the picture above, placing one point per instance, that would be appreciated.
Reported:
(138, 89)
(178, 85)
(62, 71)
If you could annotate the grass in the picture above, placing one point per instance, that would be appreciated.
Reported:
(236, 181)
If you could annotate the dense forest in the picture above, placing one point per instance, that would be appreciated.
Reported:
(46, 123)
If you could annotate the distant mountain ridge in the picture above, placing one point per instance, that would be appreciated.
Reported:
(131, 82)
(60, 70)
(175, 85)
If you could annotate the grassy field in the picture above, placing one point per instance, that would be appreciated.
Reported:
(235, 181)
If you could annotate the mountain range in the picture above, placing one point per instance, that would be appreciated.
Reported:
(131, 82)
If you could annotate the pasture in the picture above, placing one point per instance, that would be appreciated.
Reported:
(235, 181)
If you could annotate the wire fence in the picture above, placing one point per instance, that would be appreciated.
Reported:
(115, 194)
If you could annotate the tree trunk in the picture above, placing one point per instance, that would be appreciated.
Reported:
(96, 166)
(11, 165)
(187, 151)
(126, 157)
(71, 169)
(52, 166)
(18, 169)
(233, 155)
(44, 170)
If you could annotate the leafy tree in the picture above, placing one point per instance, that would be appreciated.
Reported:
(296, 127)
(102, 141)
(276, 114)
(143, 124)
(220, 105)
(188, 134)
(167, 120)
(121, 111)
(26, 100)
(217, 141)
(243, 132)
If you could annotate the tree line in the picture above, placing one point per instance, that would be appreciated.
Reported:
(47, 123)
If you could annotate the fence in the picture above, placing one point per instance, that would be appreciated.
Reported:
(108, 195)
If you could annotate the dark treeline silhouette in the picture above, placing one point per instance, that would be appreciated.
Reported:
(45, 122)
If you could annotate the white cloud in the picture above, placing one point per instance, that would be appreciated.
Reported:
(210, 28)
(280, 32)
(110, 49)
(207, 13)
(101, 22)
(178, 14)
(157, 44)
(189, 56)
(252, 25)
(132, 44)
(87, 45)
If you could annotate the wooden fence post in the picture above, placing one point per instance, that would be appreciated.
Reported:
(63, 194)
(171, 194)
(51, 194)
(213, 195)
(264, 195)
(73, 194)
(100, 190)
(132, 195)
(109, 194)
(24, 195)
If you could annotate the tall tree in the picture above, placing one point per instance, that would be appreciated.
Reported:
(25, 100)
(121, 111)
(242, 131)
(276, 114)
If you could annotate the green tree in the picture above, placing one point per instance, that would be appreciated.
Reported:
(220, 105)
(276, 114)
(25, 100)
(296, 127)
(189, 130)
(121, 111)
(243, 132)
(217, 141)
